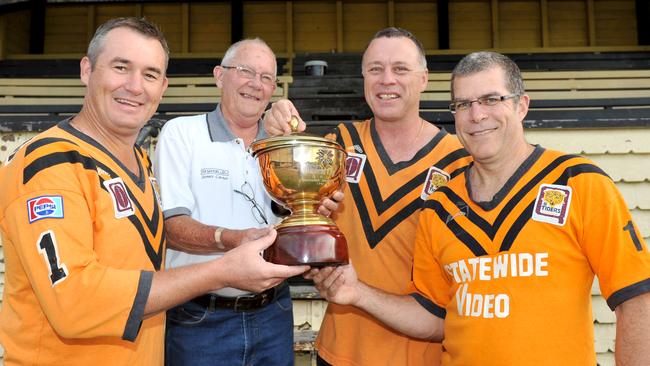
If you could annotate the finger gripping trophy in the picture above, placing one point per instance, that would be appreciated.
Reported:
(298, 171)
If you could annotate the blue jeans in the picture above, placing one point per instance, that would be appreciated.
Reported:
(198, 337)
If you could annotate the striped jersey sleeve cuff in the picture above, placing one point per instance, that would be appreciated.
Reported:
(134, 322)
(626, 293)
(429, 305)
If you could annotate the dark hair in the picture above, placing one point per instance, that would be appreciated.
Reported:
(484, 60)
(394, 32)
(140, 25)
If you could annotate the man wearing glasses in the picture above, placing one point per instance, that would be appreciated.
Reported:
(506, 252)
(213, 200)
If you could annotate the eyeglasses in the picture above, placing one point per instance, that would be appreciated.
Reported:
(247, 191)
(248, 73)
(487, 100)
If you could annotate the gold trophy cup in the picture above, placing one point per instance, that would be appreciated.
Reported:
(298, 171)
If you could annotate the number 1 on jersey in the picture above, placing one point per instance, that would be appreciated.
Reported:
(635, 239)
(46, 245)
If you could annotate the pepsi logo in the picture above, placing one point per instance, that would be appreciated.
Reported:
(45, 207)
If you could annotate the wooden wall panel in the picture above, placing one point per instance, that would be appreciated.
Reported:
(209, 27)
(615, 23)
(520, 24)
(16, 32)
(168, 17)
(567, 23)
(66, 29)
(344, 25)
(104, 12)
(470, 24)
(314, 28)
(421, 19)
(267, 20)
(361, 21)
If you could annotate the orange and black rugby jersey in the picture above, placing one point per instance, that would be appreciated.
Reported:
(512, 277)
(378, 218)
(82, 237)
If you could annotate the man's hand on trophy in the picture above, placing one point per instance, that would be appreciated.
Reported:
(244, 267)
(339, 285)
(233, 238)
(277, 120)
(330, 204)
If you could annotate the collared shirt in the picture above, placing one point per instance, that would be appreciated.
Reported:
(199, 165)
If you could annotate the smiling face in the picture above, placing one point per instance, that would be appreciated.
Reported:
(126, 83)
(491, 134)
(244, 100)
(393, 78)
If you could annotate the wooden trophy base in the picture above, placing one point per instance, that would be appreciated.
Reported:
(313, 245)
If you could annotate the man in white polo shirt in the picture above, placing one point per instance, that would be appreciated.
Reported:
(213, 200)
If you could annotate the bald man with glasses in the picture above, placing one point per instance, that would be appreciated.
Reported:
(213, 200)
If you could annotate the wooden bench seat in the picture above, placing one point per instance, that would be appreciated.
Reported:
(600, 84)
(60, 92)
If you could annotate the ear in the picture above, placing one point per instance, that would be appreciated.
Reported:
(218, 76)
(165, 85)
(522, 106)
(424, 80)
(85, 69)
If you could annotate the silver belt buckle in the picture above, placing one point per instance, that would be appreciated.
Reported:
(236, 308)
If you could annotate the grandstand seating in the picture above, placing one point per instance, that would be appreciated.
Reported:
(590, 97)
(46, 100)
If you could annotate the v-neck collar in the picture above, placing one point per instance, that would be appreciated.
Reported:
(137, 179)
(510, 183)
(393, 168)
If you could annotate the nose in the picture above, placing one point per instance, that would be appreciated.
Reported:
(387, 77)
(134, 84)
(477, 112)
(256, 81)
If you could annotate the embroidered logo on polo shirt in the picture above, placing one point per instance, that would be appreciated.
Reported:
(121, 200)
(436, 178)
(215, 173)
(552, 204)
(354, 167)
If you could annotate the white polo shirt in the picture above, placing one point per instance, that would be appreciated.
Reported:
(199, 164)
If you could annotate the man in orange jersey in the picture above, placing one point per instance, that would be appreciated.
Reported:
(83, 229)
(507, 251)
(395, 160)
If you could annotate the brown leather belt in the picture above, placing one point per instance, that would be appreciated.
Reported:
(239, 303)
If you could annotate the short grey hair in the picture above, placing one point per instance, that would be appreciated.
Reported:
(395, 32)
(140, 25)
(485, 60)
(231, 52)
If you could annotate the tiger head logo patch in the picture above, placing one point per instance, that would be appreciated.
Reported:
(552, 204)
(553, 197)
